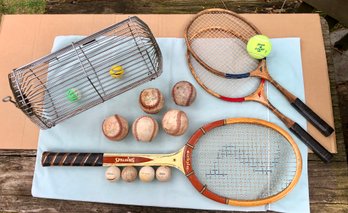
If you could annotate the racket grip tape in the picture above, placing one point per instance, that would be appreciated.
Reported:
(71, 159)
(311, 143)
(312, 117)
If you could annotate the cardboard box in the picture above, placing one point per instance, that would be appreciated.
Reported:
(24, 38)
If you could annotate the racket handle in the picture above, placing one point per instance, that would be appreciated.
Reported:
(311, 143)
(71, 159)
(312, 117)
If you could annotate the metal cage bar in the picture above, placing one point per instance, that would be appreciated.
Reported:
(39, 88)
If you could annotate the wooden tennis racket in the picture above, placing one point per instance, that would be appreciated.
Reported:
(238, 161)
(217, 39)
(250, 89)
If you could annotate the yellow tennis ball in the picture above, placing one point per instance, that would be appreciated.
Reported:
(116, 71)
(259, 46)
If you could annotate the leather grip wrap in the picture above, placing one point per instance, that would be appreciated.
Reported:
(71, 159)
(311, 143)
(312, 117)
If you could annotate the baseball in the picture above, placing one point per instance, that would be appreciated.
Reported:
(184, 93)
(115, 127)
(163, 173)
(129, 174)
(175, 122)
(151, 100)
(146, 174)
(145, 129)
(113, 173)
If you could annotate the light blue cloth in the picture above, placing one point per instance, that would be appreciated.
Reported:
(82, 133)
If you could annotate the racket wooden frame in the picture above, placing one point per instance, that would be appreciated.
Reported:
(260, 96)
(180, 160)
(261, 71)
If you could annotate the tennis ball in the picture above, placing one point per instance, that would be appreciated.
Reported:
(73, 95)
(116, 71)
(259, 46)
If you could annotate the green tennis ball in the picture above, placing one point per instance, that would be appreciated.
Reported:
(259, 46)
(73, 95)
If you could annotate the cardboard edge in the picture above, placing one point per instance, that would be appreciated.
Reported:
(333, 147)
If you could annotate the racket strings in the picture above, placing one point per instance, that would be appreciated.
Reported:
(222, 20)
(219, 40)
(244, 161)
(233, 88)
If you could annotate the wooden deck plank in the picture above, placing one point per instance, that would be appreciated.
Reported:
(328, 183)
(169, 6)
(341, 148)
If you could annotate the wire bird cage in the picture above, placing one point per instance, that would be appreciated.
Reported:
(41, 89)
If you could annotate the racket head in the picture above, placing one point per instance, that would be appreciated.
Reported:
(236, 90)
(242, 162)
(217, 39)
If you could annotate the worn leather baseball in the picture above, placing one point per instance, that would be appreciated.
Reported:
(115, 127)
(175, 122)
(113, 173)
(163, 173)
(184, 93)
(146, 174)
(145, 128)
(151, 100)
(129, 174)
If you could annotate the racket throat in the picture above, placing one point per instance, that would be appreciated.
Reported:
(262, 72)
(260, 96)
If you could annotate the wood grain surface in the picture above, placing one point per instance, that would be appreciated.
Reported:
(328, 183)
(167, 6)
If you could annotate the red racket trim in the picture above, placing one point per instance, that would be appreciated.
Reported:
(125, 159)
(201, 131)
(195, 182)
(194, 138)
(213, 125)
(232, 99)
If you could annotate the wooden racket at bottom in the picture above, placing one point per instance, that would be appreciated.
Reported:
(238, 161)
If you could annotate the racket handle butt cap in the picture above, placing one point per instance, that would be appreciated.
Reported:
(311, 143)
(312, 117)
